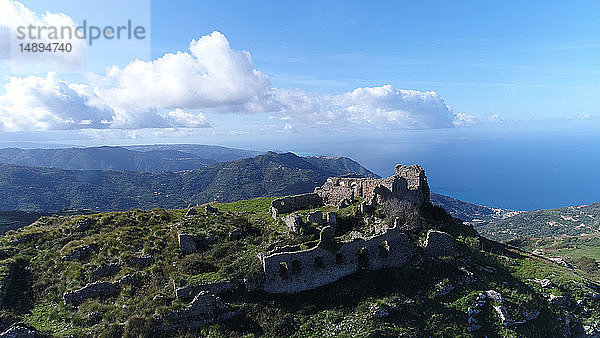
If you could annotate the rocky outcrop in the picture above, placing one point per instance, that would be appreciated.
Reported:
(291, 272)
(81, 253)
(187, 243)
(92, 290)
(440, 244)
(289, 204)
(215, 288)
(205, 309)
(107, 270)
(97, 290)
(18, 332)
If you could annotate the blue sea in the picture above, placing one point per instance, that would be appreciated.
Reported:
(514, 166)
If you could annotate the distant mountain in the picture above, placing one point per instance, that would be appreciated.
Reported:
(340, 165)
(137, 158)
(271, 174)
(216, 153)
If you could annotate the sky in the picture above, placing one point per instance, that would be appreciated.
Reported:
(348, 78)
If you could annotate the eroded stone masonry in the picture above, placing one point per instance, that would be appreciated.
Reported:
(291, 272)
(330, 260)
(409, 183)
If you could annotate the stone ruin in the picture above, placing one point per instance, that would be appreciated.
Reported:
(291, 272)
(409, 183)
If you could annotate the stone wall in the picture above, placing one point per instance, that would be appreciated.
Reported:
(289, 204)
(291, 272)
(408, 183)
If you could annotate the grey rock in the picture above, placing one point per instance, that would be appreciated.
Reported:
(140, 260)
(92, 290)
(81, 253)
(440, 244)
(187, 243)
(18, 332)
(210, 209)
(215, 288)
(107, 270)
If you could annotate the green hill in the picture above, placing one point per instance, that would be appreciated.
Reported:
(134, 262)
(50, 189)
(569, 221)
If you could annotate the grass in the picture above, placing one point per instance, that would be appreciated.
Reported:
(343, 308)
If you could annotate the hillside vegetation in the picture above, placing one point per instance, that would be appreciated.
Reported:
(431, 297)
(50, 189)
(151, 158)
(569, 221)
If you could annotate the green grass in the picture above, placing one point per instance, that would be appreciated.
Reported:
(343, 308)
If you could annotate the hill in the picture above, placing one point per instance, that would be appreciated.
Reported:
(567, 221)
(135, 274)
(50, 189)
(471, 213)
(211, 152)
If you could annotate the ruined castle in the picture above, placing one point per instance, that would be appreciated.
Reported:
(293, 271)
(409, 183)
(290, 270)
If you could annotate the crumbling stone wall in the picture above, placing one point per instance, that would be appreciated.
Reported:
(293, 203)
(291, 272)
(408, 183)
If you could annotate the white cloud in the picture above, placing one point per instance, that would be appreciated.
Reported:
(37, 103)
(181, 118)
(211, 76)
(49, 103)
(214, 78)
(13, 14)
(464, 120)
(382, 107)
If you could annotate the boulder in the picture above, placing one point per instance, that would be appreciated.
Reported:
(107, 270)
(81, 253)
(187, 243)
(191, 212)
(215, 288)
(440, 244)
(92, 290)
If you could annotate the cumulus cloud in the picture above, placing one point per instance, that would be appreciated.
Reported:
(211, 77)
(13, 14)
(49, 103)
(41, 103)
(181, 118)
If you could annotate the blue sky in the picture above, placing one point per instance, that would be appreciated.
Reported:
(499, 97)
(533, 60)
(519, 59)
